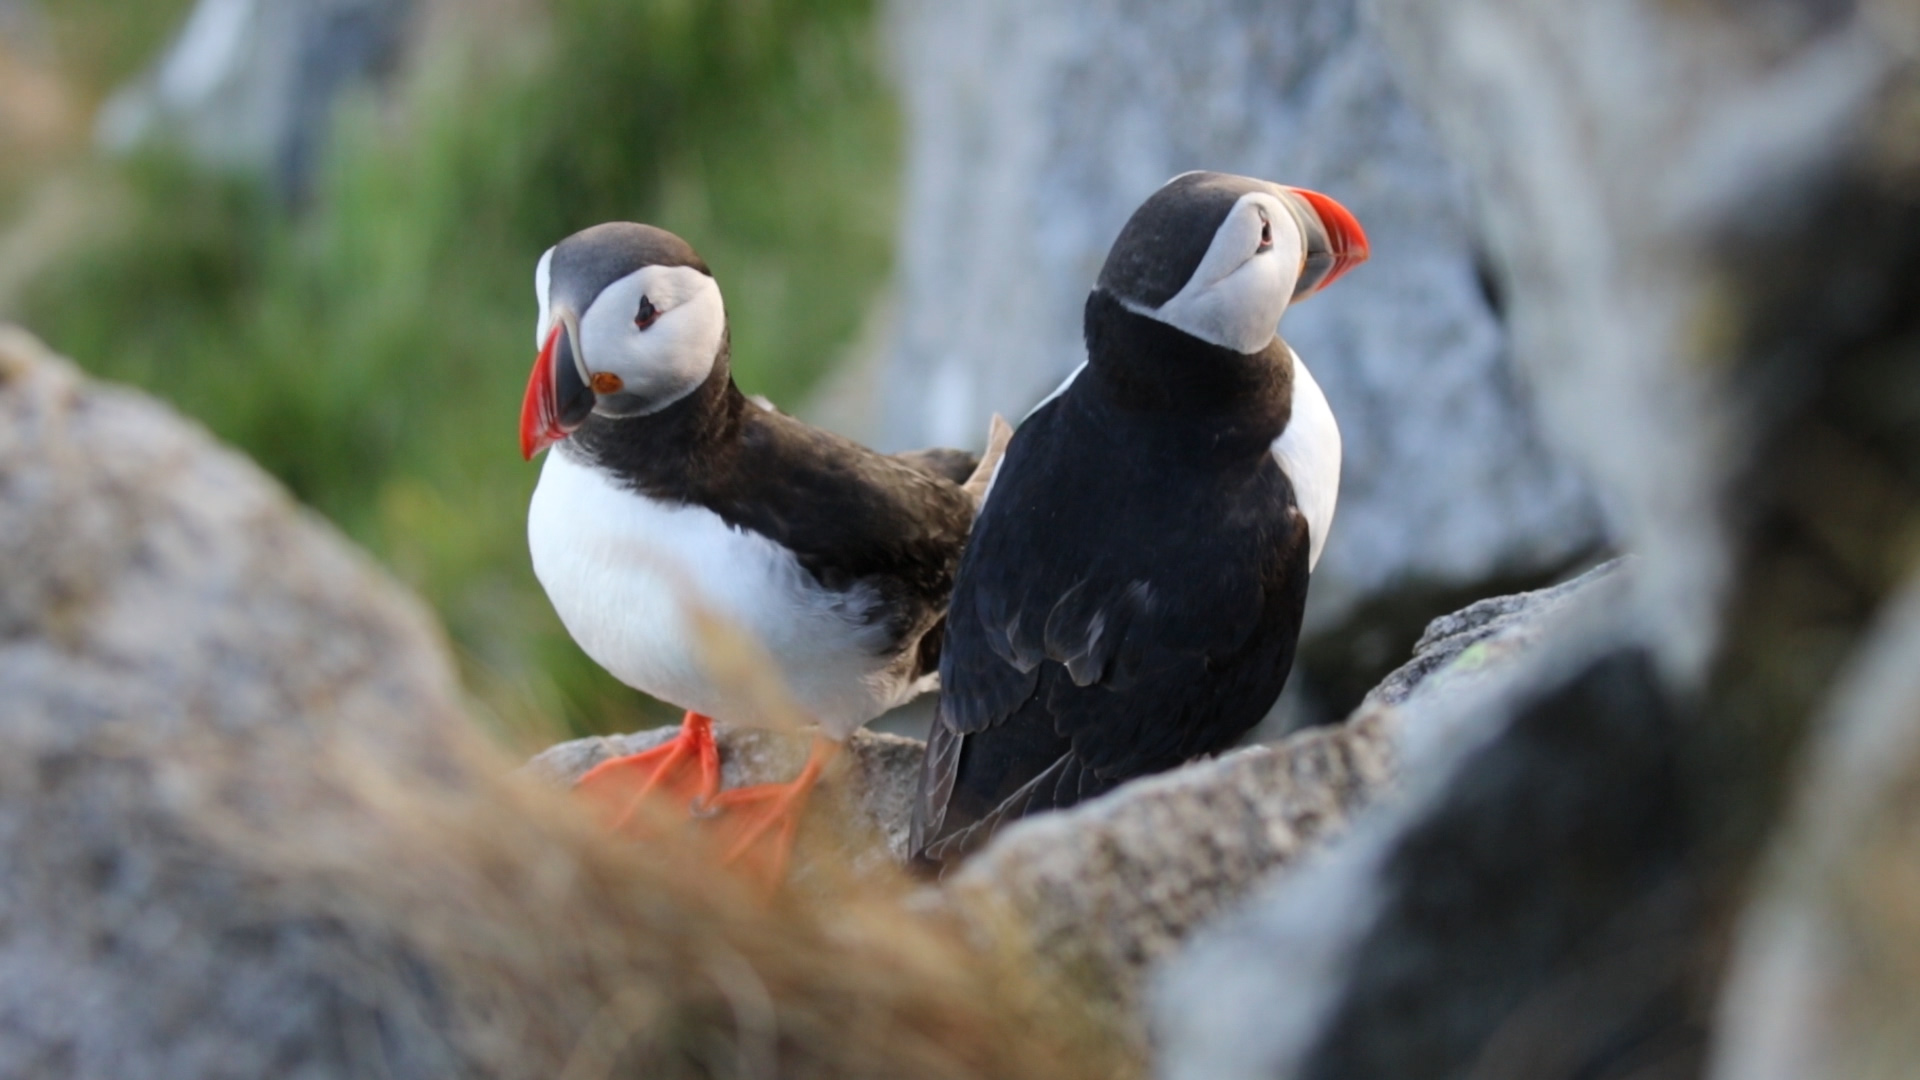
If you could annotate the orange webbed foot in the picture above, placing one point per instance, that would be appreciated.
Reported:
(758, 824)
(684, 770)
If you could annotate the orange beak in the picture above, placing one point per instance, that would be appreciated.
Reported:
(1337, 245)
(558, 398)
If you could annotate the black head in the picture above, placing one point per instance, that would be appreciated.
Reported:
(580, 267)
(1220, 256)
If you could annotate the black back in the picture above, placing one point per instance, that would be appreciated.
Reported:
(850, 515)
(1132, 593)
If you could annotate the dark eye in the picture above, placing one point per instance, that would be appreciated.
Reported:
(647, 314)
(1266, 235)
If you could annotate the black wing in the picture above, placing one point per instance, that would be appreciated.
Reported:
(853, 516)
(1102, 630)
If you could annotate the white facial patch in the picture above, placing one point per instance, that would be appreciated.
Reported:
(669, 358)
(1236, 296)
(542, 280)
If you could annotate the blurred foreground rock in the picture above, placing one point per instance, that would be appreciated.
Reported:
(246, 831)
(1827, 960)
(1558, 892)
(1538, 792)
(163, 604)
(1034, 131)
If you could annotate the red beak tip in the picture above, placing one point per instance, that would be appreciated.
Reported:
(533, 442)
(539, 428)
(1349, 240)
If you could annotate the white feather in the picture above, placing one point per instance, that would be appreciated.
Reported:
(542, 282)
(619, 567)
(1309, 453)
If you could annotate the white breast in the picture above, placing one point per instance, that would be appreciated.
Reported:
(1309, 453)
(620, 567)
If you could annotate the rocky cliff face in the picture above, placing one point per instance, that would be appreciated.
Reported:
(1036, 128)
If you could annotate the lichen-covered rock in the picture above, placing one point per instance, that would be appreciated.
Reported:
(1097, 893)
(1375, 952)
(1103, 891)
(1477, 636)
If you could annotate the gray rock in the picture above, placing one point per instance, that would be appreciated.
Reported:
(251, 84)
(1036, 128)
(171, 623)
(1608, 295)
(1391, 953)
(1105, 890)
(1483, 632)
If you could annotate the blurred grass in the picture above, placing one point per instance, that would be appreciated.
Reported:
(372, 349)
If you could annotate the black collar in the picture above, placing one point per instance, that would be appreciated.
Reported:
(659, 454)
(1140, 365)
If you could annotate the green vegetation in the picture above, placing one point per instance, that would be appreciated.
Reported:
(371, 350)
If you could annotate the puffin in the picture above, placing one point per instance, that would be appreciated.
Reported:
(1132, 593)
(668, 496)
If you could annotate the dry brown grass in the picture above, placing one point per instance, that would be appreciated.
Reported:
(491, 918)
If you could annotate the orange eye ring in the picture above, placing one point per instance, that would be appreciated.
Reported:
(606, 382)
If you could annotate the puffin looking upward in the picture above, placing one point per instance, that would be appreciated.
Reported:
(668, 485)
(1133, 589)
